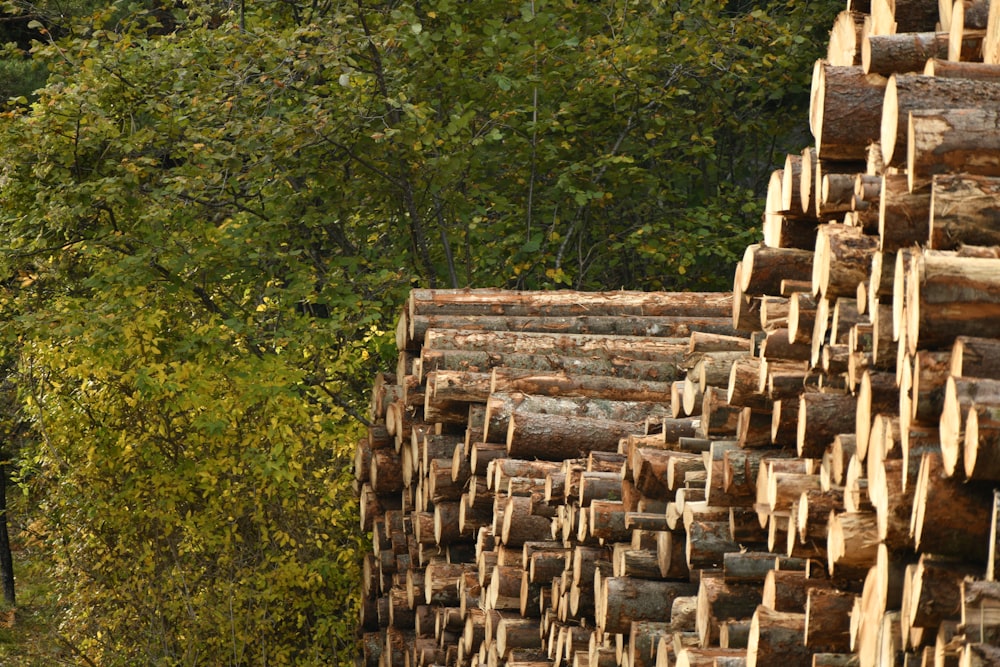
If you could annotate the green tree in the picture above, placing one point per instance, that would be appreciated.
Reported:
(210, 213)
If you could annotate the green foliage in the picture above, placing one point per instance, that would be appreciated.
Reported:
(210, 213)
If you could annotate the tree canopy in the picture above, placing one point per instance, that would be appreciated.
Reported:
(210, 213)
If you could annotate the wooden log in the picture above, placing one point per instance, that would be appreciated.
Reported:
(707, 543)
(907, 92)
(560, 383)
(852, 542)
(901, 52)
(624, 600)
(844, 47)
(821, 417)
(960, 206)
(671, 550)
(500, 407)
(719, 601)
(763, 268)
(842, 259)
(594, 364)
(777, 638)
(975, 357)
(612, 324)
(904, 215)
(950, 517)
(981, 444)
(557, 437)
(951, 296)
(828, 626)
(566, 303)
(845, 109)
(962, 70)
(935, 593)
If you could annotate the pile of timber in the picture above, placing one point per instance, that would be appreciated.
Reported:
(803, 471)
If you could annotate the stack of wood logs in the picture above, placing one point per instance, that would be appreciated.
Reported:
(800, 472)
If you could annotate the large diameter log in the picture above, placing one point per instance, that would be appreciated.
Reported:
(718, 601)
(558, 437)
(828, 620)
(842, 259)
(975, 357)
(952, 140)
(901, 52)
(763, 268)
(776, 638)
(963, 210)
(904, 215)
(821, 417)
(907, 92)
(950, 517)
(951, 296)
(623, 600)
(845, 110)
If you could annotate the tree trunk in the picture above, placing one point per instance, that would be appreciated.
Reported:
(951, 296)
(901, 52)
(623, 600)
(908, 92)
(845, 109)
(764, 268)
(962, 210)
(776, 638)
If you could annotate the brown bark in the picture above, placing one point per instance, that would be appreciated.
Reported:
(950, 517)
(845, 109)
(764, 268)
(951, 296)
(622, 365)
(978, 71)
(963, 210)
(982, 442)
(618, 324)
(842, 259)
(821, 417)
(560, 383)
(777, 638)
(908, 92)
(718, 601)
(828, 620)
(623, 600)
(901, 52)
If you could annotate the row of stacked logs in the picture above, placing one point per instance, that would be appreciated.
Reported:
(799, 472)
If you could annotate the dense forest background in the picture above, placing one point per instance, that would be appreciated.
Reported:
(211, 212)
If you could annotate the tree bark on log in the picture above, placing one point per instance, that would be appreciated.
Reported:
(595, 364)
(951, 296)
(908, 92)
(978, 71)
(624, 600)
(950, 517)
(777, 638)
(821, 417)
(842, 259)
(720, 600)
(904, 215)
(901, 52)
(510, 380)
(845, 110)
(828, 620)
(557, 437)
(963, 211)
(763, 268)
